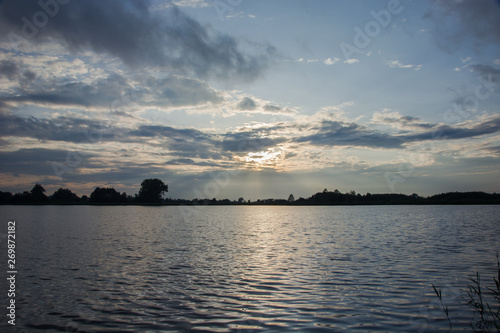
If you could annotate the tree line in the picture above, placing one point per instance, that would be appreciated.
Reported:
(152, 190)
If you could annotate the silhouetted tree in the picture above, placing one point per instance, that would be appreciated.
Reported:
(126, 198)
(24, 197)
(5, 197)
(291, 198)
(463, 198)
(64, 195)
(105, 195)
(151, 190)
(37, 194)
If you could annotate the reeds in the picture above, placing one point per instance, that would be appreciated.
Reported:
(443, 306)
(486, 317)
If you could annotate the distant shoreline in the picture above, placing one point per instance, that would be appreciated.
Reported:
(248, 204)
(152, 195)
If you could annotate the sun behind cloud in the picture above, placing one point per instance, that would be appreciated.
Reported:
(269, 159)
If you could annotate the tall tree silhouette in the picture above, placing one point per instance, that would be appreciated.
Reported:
(105, 195)
(37, 194)
(64, 195)
(5, 197)
(151, 190)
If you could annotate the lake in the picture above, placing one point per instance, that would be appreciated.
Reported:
(248, 268)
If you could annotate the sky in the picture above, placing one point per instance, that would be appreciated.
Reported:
(250, 98)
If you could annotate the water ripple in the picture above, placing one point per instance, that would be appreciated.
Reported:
(250, 269)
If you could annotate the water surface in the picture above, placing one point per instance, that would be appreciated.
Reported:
(249, 268)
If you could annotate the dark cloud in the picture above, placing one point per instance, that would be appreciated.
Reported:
(273, 109)
(246, 104)
(100, 93)
(491, 74)
(33, 155)
(248, 142)
(12, 71)
(495, 149)
(207, 149)
(3, 107)
(131, 32)
(337, 133)
(37, 161)
(182, 143)
(169, 132)
(58, 129)
(188, 161)
(403, 121)
(114, 92)
(191, 143)
(277, 109)
(9, 69)
(177, 91)
(457, 22)
(181, 161)
(447, 132)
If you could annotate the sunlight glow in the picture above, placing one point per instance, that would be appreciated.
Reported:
(265, 159)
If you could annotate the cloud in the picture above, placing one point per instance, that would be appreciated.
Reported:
(36, 161)
(188, 161)
(495, 150)
(338, 133)
(181, 142)
(491, 73)
(115, 92)
(189, 142)
(179, 91)
(397, 120)
(351, 61)
(309, 61)
(101, 93)
(208, 149)
(398, 64)
(256, 105)
(168, 132)
(248, 141)
(343, 133)
(246, 104)
(447, 132)
(274, 109)
(191, 3)
(331, 61)
(131, 32)
(12, 71)
(457, 22)
(75, 130)
(9, 69)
